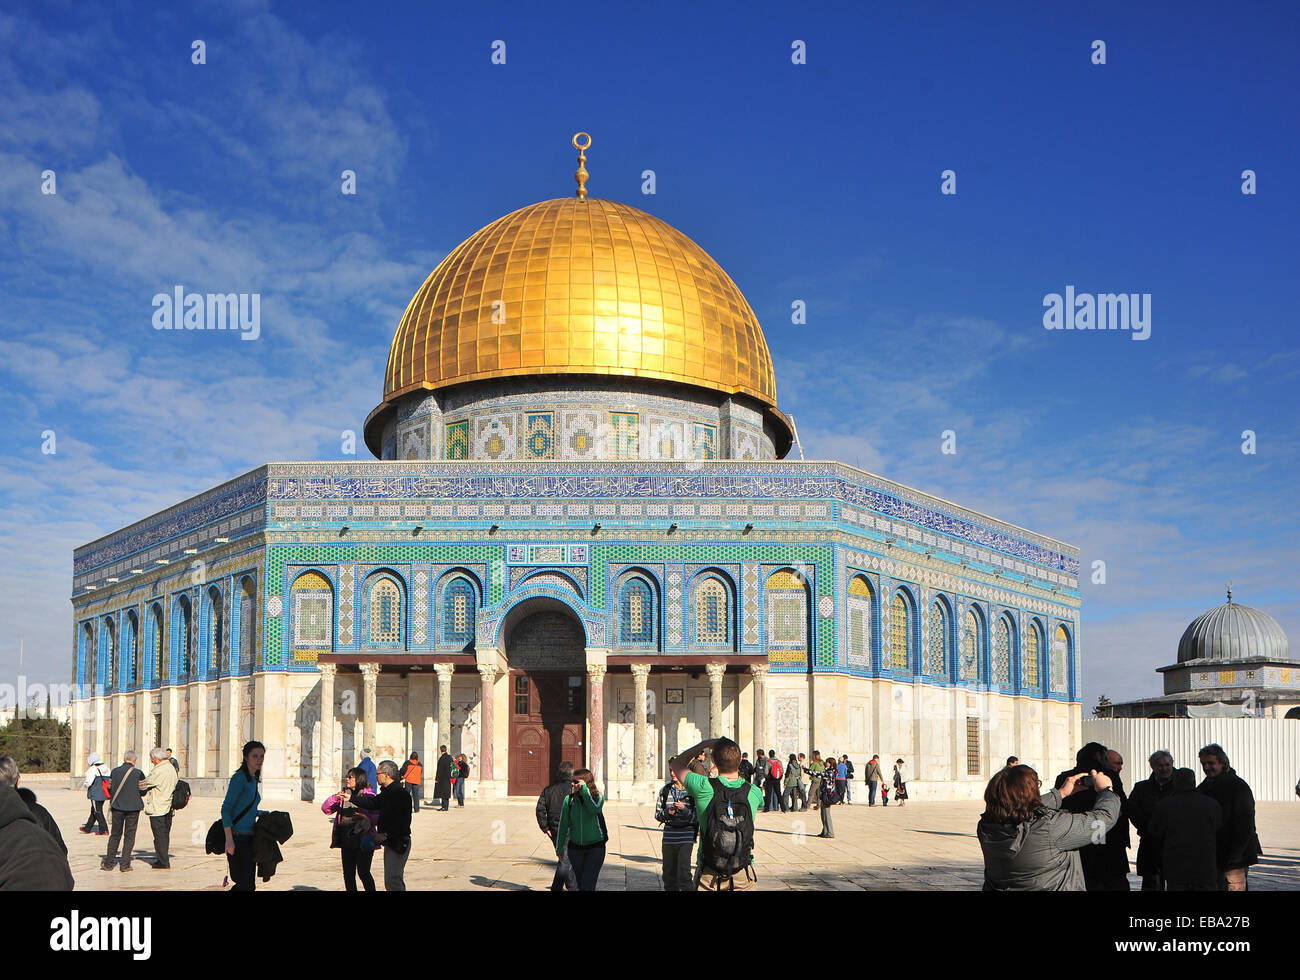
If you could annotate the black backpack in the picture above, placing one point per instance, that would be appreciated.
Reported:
(728, 839)
(180, 795)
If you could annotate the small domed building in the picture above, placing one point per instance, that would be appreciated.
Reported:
(582, 538)
(1233, 661)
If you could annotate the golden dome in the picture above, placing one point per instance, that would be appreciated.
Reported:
(574, 286)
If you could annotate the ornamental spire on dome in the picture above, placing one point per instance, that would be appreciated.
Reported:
(1229, 584)
(580, 175)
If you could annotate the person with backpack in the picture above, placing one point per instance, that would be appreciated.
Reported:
(239, 815)
(848, 780)
(582, 830)
(97, 787)
(725, 805)
(124, 804)
(676, 811)
(761, 769)
(841, 779)
(773, 783)
(793, 776)
(462, 774)
(827, 799)
(159, 787)
(746, 767)
(550, 804)
(411, 775)
(353, 830)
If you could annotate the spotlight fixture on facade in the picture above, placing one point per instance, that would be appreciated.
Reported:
(672, 527)
(417, 529)
(748, 528)
(343, 530)
(494, 528)
(221, 540)
(595, 527)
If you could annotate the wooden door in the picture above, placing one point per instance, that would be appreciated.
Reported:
(547, 712)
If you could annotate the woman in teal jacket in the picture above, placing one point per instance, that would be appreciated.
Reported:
(582, 828)
(238, 815)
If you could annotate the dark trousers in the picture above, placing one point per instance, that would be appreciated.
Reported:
(1106, 881)
(871, 792)
(243, 865)
(586, 865)
(790, 798)
(841, 790)
(1155, 883)
(677, 867)
(774, 800)
(162, 839)
(828, 828)
(414, 790)
(124, 824)
(803, 797)
(356, 864)
(1205, 884)
(459, 788)
(96, 819)
(564, 876)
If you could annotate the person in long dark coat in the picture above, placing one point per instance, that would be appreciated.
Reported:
(1141, 806)
(1105, 865)
(442, 778)
(1238, 845)
(1182, 834)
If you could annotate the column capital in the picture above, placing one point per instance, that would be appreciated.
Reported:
(489, 672)
(759, 670)
(369, 670)
(327, 670)
(444, 671)
(640, 671)
(596, 672)
(715, 671)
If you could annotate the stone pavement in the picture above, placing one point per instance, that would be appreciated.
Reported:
(919, 847)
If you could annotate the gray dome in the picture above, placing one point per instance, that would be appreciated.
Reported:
(1233, 632)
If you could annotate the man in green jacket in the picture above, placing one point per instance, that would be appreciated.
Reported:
(726, 756)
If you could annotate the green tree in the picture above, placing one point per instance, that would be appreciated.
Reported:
(38, 744)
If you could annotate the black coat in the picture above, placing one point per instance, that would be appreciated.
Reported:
(272, 830)
(43, 817)
(551, 803)
(1182, 836)
(442, 778)
(30, 860)
(124, 788)
(394, 806)
(1141, 805)
(1112, 856)
(1238, 845)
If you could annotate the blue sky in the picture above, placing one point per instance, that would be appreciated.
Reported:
(817, 182)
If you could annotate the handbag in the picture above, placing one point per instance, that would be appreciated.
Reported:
(216, 842)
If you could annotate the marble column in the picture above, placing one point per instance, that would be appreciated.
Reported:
(444, 672)
(596, 720)
(716, 673)
(486, 720)
(326, 777)
(369, 704)
(759, 673)
(640, 747)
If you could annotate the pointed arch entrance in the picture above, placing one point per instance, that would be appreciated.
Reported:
(545, 646)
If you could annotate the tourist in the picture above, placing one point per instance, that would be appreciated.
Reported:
(676, 811)
(746, 767)
(848, 779)
(884, 793)
(803, 792)
(550, 804)
(773, 783)
(725, 806)
(1012, 761)
(1105, 864)
(582, 830)
(176, 765)
(394, 826)
(353, 830)
(367, 765)
(1183, 834)
(1030, 842)
(1238, 845)
(462, 774)
(30, 860)
(793, 776)
(815, 769)
(9, 774)
(1115, 761)
(701, 764)
(239, 815)
(900, 783)
(826, 800)
(124, 805)
(411, 775)
(874, 779)
(760, 774)
(96, 782)
(442, 777)
(842, 779)
(1140, 806)
(158, 787)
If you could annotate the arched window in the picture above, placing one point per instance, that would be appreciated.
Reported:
(972, 646)
(786, 599)
(183, 638)
(311, 605)
(157, 646)
(214, 640)
(1002, 652)
(1060, 661)
(1029, 671)
(385, 612)
(712, 612)
(900, 633)
(89, 657)
(937, 657)
(636, 625)
(458, 607)
(247, 623)
(860, 604)
(108, 637)
(131, 648)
